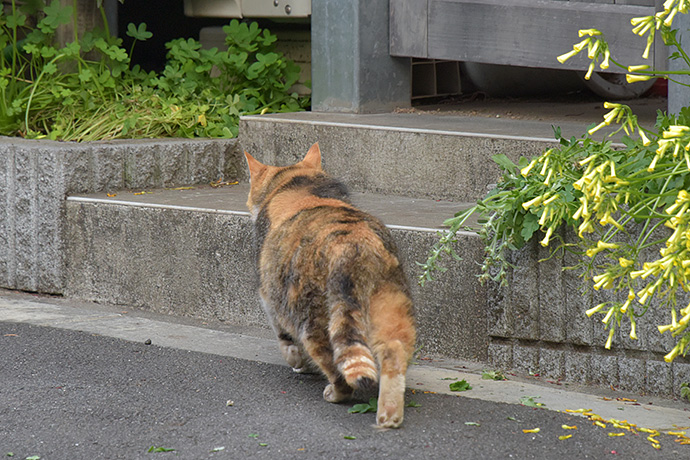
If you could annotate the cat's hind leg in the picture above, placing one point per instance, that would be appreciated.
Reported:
(316, 344)
(294, 354)
(393, 337)
(291, 350)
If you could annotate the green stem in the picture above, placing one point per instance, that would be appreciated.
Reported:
(33, 90)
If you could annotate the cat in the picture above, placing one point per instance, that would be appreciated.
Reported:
(331, 283)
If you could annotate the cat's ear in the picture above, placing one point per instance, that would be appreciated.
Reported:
(255, 166)
(313, 157)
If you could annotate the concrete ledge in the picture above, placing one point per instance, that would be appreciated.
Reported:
(37, 175)
(189, 253)
(400, 154)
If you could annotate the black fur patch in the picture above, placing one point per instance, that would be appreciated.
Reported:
(261, 226)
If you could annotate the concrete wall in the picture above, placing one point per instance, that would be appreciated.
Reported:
(36, 176)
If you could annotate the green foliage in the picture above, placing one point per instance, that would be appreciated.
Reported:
(685, 391)
(461, 385)
(363, 408)
(493, 375)
(88, 90)
(629, 206)
(529, 401)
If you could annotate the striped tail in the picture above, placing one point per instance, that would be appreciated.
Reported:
(351, 354)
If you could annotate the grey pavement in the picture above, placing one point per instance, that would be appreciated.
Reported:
(78, 381)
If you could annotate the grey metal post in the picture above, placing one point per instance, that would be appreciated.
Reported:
(352, 70)
(679, 95)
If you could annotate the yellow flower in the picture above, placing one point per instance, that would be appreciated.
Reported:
(590, 32)
(594, 310)
(664, 328)
(603, 245)
(605, 63)
(652, 165)
(669, 19)
(597, 127)
(608, 316)
(592, 51)
(545, 241)
(564, 57)
(633, 330)
(524, 171)
(533, 202)
(637, 68)
(645, 140)
(636, 78)
(641, 20)
(625, 263)
(672, 354)
(610, 339)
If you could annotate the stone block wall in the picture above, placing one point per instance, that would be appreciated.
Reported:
(37, 175)
(538, 325)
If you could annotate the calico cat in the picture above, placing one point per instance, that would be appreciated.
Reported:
(331, 283)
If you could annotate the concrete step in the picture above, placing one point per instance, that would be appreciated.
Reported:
(189, 252)
(414, 155)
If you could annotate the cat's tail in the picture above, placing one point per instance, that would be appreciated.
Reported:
(347, 330)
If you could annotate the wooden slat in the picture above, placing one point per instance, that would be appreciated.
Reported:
(527, 33)
(408, 27)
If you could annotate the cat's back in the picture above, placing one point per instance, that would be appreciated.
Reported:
(306, 223)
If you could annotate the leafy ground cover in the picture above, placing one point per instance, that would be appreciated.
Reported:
(87, 89)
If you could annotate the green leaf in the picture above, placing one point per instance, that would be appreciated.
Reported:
(349, 437)
(363, 408)
(685, 390)
(55, 15)
(530, 402)
(462, 385)
(504, 162)
(50, 68)
(530, 224)
(493, 375)
(138, 32)
(413, 404)
(15, 20)
(218, 449)
(473, 424)
(160, 449)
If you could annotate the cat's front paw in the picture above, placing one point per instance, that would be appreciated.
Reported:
(389, 415)
(333, 395)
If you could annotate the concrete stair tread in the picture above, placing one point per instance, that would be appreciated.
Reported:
(395, 211)
(444, 124)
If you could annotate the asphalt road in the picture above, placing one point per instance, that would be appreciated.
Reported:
(72, 395)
